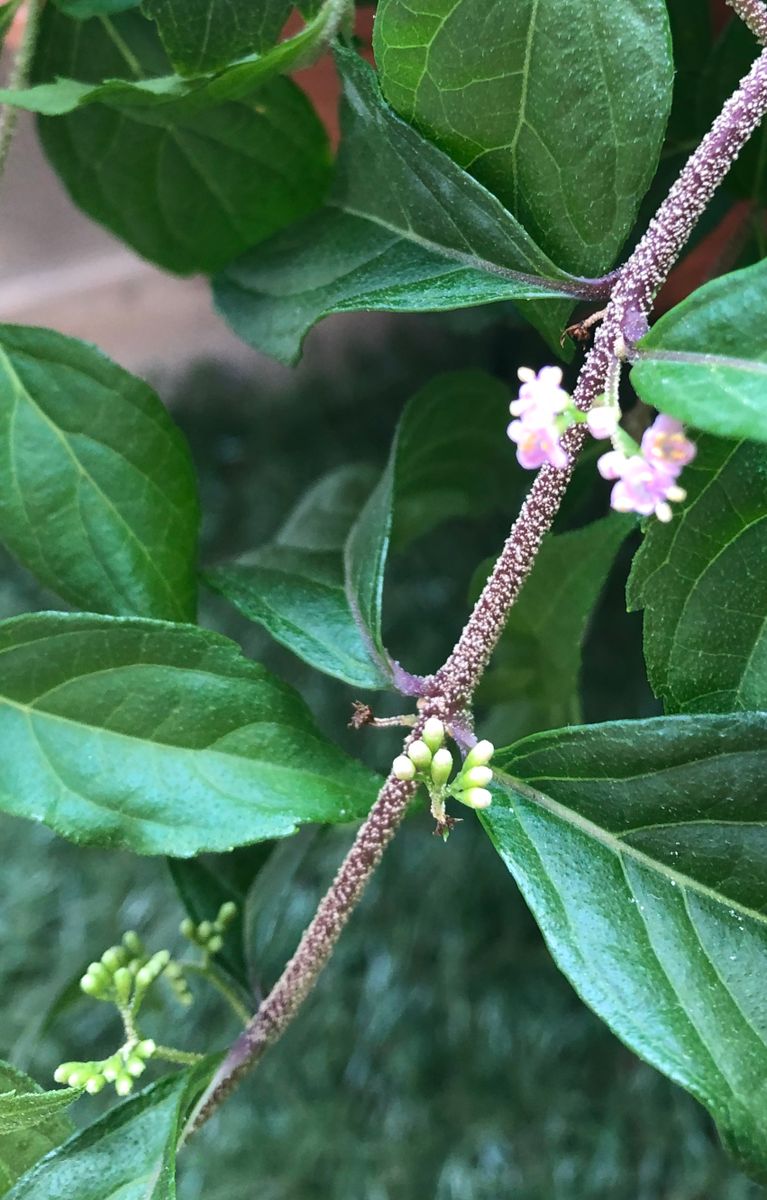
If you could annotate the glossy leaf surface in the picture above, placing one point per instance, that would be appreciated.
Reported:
(640, 847)
(705, 362)
(97, 489)
(702, 581)
(158, 738)
(558, 107)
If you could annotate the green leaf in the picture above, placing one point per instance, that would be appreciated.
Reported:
(206, 35)
(640, 847)
(32, 1122)
(294, 587)
(450, 458)
(532, 682)
(97, 488)
(560, 112)
(415, 233)
(159, 738)
(705, 362)
(129, 1154)
(82, 10)
(702, 581)
(188, 178)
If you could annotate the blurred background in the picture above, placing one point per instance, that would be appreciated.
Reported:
(442, 1054)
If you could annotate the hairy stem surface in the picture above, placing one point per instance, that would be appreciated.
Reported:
(754, 13)
(19, 77)
(451, 689)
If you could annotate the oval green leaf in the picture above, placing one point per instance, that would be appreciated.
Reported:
(559, 107)
(641, 848)
(705, 362)
(97, 489)
(158, 738)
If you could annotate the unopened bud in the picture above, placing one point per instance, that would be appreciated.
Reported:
(123, 981)
(123, 1085)
(433, 733)
(476, 797)
(133, 943)
(403, 768)
(90, 985)
(226, 913)
(441, 766)
(479, 755)
(95, 1084)
(187, 928)
(135, 1066)
(476, 777)
(146, 1048)
(204, 930)
(215, 943)
(419, 753)
(114, 957)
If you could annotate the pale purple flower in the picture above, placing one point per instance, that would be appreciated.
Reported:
(665, 445)
(537, 444)
(541, 396)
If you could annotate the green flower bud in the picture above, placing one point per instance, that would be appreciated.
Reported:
(146, 1048)
(62, 1073)
(112, 1068)
(441, 766)
(95, 1084)
(91, 986)
(123, 980)
(433, 733)
(476, 777)
(135, 1066)
(133, 944)
(475, 797)
(145, 977)
(403, 768)
(123, 1085)
(114, 957)
(100, 973)
(226, 914)
(420, 754)
(204, 930)
(187, 928)
(479, 755)
(80, 1076)
(174, 971)
(215, 943)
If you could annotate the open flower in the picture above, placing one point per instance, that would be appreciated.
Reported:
(647, 480)
(540, 424)
(537, 444)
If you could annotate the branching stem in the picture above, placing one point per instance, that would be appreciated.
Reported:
(448, 693)
(19, 77)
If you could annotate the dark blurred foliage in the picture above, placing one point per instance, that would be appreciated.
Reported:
(442, 1054)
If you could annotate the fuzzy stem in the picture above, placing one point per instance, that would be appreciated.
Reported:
(184, 1058)
(450, 690)
(19, 77)
(754, 13)
(211, 974)
(319, 938)
(629, 306)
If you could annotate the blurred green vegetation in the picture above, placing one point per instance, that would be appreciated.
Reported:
(442, 1054)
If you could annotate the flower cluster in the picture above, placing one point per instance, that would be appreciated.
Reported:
(124, 973)
(647, 478)
(544, 411)
(121, 1069)
(209, 935)
(429, 761)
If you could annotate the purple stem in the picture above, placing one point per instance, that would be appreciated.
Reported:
(451, 689)
(754, 13)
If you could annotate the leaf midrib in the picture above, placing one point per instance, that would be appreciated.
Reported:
(620, 848)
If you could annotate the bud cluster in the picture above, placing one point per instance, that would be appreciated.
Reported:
(121, 1069)
(427, 760)
(124, 973)
(209, 935)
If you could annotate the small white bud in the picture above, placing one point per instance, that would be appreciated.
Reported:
(476, 777)
(441, 766)
(433, 733)
(124, 1085)
(61, 1074)
(95, 1084)
(476, 798)
(479, 755)
(146, 1048)
(419, 753)
(403, 768)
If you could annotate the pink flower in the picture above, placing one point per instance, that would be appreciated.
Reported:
(537, 444)
(665, 445)
(541, 396)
